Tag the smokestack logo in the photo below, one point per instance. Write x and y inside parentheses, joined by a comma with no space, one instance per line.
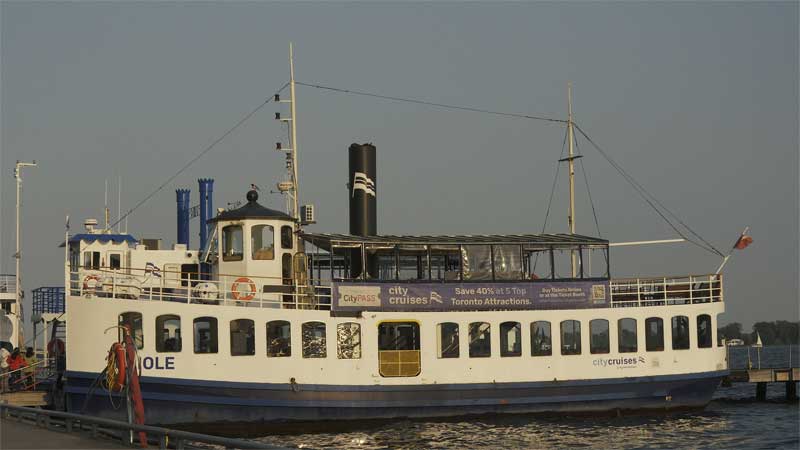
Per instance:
(363,182)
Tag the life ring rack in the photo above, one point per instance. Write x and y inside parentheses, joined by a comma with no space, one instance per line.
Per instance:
(239,295)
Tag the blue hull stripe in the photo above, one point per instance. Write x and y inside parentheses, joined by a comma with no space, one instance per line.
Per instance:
(338,396)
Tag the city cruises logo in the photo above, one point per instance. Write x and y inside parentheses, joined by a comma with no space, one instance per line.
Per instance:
(620,362)
(359,296)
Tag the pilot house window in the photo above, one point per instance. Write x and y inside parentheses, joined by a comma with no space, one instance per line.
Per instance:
(262,242)
(232,243)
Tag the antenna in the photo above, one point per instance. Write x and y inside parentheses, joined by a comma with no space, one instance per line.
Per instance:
(290,187)
(571,160)
(105,205)
(18,254)
(119,201)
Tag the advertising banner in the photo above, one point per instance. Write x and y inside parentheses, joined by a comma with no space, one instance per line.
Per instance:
(469,296)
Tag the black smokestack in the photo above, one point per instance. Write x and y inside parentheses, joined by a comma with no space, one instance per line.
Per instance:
(362,188)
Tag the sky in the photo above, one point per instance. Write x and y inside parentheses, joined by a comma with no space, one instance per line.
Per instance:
(697,101)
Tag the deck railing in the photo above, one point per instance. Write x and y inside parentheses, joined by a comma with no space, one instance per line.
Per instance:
(684,290)
(271,292)
(8,284)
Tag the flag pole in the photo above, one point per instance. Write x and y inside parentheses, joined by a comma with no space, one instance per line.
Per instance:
(730,252)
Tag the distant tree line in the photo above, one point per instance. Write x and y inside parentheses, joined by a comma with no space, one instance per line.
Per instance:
(779,332)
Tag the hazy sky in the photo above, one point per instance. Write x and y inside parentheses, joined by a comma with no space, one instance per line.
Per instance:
(698,101)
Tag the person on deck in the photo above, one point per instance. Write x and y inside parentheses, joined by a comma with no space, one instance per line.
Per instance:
(30,361)
(15,362)
(4,354)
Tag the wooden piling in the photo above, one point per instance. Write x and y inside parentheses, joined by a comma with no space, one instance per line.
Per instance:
(761,391)
(791,391)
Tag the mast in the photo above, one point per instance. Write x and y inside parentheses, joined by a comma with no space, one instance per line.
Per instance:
(571,159)
(293,124)
(18,254)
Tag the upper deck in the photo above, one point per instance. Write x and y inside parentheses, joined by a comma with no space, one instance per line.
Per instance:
(350,274)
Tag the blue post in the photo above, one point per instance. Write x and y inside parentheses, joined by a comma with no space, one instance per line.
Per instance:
(206,208)
(183,215)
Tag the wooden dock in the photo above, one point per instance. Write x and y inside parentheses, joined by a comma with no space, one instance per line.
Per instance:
(24,398)
(790,376)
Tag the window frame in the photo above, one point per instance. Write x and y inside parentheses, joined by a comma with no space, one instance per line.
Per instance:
(605,348)
(258,230)
(549,342)
(138,339)
(623,347)
(504,334)
(648,336)
(279,325)
(678,338)
(160,340)
(453,348)
(250,342)
(710,331)
(306,351)
(213,331)
(356,348)
(576,350)
(475,351)
(228,242)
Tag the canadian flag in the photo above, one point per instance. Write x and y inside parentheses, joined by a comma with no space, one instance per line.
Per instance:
(743,241)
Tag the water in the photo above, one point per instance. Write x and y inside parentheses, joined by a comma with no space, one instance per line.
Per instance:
(733,420)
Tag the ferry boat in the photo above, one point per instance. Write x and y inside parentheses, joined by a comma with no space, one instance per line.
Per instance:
(267,321)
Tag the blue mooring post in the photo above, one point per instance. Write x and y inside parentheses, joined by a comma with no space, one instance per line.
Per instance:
(206,208)
(182,198)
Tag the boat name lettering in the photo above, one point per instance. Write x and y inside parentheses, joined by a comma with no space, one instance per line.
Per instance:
(156,363)
(622,362)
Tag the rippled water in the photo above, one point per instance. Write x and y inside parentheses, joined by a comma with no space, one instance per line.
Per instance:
(733,420)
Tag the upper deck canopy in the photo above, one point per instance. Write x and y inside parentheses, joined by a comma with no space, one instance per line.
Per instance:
(326,240)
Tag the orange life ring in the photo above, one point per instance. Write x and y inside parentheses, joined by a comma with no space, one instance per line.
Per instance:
(116,367)
(242,296)
(90,277)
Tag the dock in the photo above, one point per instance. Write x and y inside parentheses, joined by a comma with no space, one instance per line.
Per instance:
(761,377)
(24,398)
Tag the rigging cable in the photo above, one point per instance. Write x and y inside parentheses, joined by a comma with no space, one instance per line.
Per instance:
(427,103)
(588,189)
(198,156)
(651,200)
(550,202)
(555,180)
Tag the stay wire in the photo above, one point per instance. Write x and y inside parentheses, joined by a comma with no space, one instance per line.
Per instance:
(646,196)
(429,103)
(652,201)
(588,189)
(198,156)
(550,202)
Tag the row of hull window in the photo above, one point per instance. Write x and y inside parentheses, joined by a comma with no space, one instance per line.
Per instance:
(242,336)
(405,336)
(541,337)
